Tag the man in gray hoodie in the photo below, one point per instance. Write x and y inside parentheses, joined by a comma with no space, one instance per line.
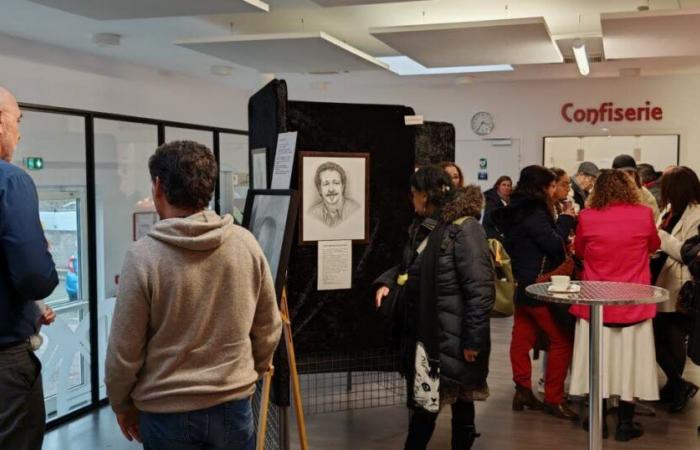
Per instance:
(196,321)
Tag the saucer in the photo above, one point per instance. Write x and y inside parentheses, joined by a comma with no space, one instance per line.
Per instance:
(570,289)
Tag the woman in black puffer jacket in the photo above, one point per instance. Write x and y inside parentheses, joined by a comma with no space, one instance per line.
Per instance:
(448,296)
(536,245)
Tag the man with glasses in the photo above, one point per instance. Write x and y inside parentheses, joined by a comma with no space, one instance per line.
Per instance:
(27,274)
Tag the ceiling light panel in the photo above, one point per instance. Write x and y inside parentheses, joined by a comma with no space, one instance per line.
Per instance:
(512,41)
(332,3)
(651,34)
(403,65)
(315,52)
(143,9)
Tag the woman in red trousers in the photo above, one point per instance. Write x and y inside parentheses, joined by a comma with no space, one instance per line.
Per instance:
(536,244)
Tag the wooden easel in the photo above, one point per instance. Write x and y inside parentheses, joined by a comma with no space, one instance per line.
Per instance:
(296,385)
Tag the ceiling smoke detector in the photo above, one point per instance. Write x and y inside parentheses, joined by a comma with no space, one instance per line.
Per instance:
(107,39)
(222,71)
(630,72)
(465,79)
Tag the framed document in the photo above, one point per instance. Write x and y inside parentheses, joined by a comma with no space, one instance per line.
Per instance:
(271,215)
(143,222)
(259,168)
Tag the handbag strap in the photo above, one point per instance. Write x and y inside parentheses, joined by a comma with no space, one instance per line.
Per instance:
(544,258)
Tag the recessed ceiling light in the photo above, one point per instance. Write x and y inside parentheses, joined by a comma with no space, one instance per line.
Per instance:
(222,71)
(107,39)
(319,85)
(403,65)
(464,80)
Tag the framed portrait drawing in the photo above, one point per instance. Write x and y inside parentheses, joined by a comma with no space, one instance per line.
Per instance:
(334,197)
(258,167)
(271,215)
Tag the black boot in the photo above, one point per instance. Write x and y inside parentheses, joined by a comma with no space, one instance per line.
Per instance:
(463,436)
(681,395)
(627,429)
(524,398)
(420,430)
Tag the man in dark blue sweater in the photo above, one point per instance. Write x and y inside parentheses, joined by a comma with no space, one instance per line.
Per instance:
(27,274)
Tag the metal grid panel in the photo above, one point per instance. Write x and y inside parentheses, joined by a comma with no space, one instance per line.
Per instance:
(273,438)
(332,382)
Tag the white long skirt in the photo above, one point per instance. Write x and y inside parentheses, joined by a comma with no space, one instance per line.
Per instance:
(629,362)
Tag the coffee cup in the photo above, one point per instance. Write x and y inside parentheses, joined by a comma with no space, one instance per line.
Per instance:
(561,282)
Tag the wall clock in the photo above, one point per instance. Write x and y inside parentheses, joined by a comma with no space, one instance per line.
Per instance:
(482,123)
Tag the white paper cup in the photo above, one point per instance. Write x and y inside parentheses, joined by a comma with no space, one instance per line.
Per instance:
(561,281)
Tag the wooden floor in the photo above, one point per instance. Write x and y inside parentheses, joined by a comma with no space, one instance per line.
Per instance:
(385,428)
(500,427)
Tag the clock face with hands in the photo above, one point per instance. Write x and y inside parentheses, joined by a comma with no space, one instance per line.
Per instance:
(482,123)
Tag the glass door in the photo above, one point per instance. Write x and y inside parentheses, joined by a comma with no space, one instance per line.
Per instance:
(58,142)
(65,353)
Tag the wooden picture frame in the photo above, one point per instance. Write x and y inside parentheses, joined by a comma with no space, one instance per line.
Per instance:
(315,223)
(270,214)
(142,222)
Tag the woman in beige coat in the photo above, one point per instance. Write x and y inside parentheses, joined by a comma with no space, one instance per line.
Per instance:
(680,194)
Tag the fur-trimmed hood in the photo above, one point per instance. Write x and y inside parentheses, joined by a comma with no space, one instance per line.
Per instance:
(467,201)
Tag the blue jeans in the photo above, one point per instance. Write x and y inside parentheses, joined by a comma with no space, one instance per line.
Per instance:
(228,426)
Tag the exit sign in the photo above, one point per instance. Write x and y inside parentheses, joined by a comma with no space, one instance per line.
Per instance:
(34,163)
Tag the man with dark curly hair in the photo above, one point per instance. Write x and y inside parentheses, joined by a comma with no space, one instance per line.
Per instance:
(196,321)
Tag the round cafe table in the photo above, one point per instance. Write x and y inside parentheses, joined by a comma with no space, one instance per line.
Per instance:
(597,294)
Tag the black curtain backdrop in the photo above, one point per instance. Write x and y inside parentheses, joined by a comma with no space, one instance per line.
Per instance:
(330,325)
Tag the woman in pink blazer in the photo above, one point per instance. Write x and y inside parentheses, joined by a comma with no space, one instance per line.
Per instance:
(615,237)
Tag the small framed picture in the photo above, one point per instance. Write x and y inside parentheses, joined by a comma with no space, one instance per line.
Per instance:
(271,215)
(143,221)
(258,159)
(334,197)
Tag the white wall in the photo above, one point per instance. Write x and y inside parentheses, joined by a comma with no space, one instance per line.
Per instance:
(526,110)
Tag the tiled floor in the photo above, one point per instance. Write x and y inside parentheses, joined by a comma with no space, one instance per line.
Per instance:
(384,428)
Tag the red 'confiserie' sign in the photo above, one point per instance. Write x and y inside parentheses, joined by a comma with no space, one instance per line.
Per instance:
(608,112)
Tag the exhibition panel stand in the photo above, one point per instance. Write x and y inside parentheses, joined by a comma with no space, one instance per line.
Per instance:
(371,153)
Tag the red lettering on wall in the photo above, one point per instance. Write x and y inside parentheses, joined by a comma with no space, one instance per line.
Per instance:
(608,112)
(564,112)
(619,114)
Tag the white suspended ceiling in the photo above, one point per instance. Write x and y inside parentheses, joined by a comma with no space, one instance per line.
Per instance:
(510,41)
(142,9)
(651,34)
(315,52)
(331,3)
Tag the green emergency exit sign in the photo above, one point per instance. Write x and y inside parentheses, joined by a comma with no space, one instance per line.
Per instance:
(34,163)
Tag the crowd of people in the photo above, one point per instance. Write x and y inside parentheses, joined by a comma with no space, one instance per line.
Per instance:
(168,388)
(626,224)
